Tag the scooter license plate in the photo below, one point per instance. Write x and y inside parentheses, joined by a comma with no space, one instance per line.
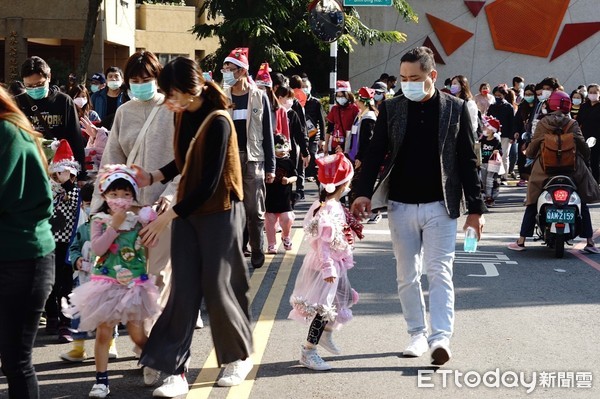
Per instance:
(560,215)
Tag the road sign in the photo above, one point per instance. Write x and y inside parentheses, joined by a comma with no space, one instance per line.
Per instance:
(356,3)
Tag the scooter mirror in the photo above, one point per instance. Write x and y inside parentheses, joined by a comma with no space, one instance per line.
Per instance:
(591,142)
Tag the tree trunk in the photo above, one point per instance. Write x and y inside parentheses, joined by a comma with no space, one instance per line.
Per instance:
(88,39)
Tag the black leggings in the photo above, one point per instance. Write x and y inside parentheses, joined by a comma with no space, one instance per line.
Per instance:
(316,329)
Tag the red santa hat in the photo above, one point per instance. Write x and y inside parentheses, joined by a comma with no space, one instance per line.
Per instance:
(491,123)
(342,85)
(334,170)
(263,77)
(63,159)
(239,57)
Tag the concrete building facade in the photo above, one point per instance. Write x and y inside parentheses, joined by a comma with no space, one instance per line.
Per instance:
(55,33)
(478,57)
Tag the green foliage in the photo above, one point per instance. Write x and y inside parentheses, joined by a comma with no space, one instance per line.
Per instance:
(272,30)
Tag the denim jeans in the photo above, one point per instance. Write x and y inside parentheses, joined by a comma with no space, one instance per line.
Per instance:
(24,288)
(424,237)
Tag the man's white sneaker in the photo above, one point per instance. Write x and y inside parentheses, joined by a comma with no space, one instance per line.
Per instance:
(172,386)
(99,391)
(235,372)
(418,345)
(151,376)
(326,341)
(309,358)
(440,352)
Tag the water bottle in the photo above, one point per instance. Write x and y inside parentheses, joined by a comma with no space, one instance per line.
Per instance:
(470,240)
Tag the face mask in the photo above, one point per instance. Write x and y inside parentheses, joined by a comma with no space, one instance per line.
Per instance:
(38,93)
(485,92)
(521,86)
(545,94)
(529,99)
(341,100)
(498,100)
(94,88)
(593,97)
(229,79)
(306,90)
(114,84)
(119,204)
(378,97)
(346,191)
(87,210)
(80,101)
(544,111)
(175,106)
(287,104)
(414,91)
(143,91)
(576,101)
(540,98)
(455,89)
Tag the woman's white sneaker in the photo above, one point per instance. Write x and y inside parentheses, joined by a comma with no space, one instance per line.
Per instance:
(173,385)
(418,345)
(235,372)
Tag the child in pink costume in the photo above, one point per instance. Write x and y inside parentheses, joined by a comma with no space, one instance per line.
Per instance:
(322,295)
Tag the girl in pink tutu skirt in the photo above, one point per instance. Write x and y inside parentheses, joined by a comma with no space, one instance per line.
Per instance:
(322,296)
(119,290)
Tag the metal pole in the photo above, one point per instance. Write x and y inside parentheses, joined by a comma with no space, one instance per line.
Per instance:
(333,49)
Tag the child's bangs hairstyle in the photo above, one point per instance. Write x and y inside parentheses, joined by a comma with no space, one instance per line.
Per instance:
(117,184)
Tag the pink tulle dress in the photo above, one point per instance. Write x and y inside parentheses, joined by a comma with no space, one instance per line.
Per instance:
(120,289)
(330,255)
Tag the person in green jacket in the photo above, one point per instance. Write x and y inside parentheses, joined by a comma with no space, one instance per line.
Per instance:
(26,246)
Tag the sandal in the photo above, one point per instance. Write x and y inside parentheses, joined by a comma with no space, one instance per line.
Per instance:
(515,246)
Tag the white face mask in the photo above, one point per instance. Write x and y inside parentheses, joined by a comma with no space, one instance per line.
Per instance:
(287,103)
(576,101)
(341,100)
(378,97)
(414,91)
(346,191)
(80,101)
(114,84)
(593,97)
(546,94)
(229,79)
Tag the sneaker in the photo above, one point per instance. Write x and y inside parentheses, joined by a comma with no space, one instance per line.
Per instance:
(151,376)
(287,243)
(112,350)
(42,321)
(257,259)
(64,335)
(309,358)
(74,355)
(590,249)
(374,219)
(418,345)
(172,386)
(326,341)
(235,373)
(199,322)
(440,352)
(515,246)
(272,250)
(99,391)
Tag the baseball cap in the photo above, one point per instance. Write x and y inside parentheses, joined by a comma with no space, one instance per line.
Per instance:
(379,86)
(99,77)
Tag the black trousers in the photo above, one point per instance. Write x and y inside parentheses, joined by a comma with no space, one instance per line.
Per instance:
(207,262)
(24,287)
(63,285)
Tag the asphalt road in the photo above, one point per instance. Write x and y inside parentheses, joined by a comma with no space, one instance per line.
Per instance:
(526,326)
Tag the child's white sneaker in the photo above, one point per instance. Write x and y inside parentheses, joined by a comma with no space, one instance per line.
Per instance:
(326,341)
(309,358)
(235,372)
(99,391)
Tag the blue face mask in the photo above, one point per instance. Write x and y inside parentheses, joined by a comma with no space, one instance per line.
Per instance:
(414,91)
(229,79)
(94,88)
(143,91)
(529,99)
(378,97)
(38,93)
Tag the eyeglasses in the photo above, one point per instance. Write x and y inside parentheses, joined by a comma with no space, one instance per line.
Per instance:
(39,84)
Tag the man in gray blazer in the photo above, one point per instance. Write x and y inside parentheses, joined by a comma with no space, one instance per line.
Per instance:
(424,141)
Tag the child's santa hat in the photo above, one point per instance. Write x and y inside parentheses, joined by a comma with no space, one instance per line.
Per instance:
(366,94)
(263,77)
(109,173)
(334,170)
(239,57)
(342,85)
(63,159)
(492,123)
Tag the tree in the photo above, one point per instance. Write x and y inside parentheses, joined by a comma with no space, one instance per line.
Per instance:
(272,28)
(88,39)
